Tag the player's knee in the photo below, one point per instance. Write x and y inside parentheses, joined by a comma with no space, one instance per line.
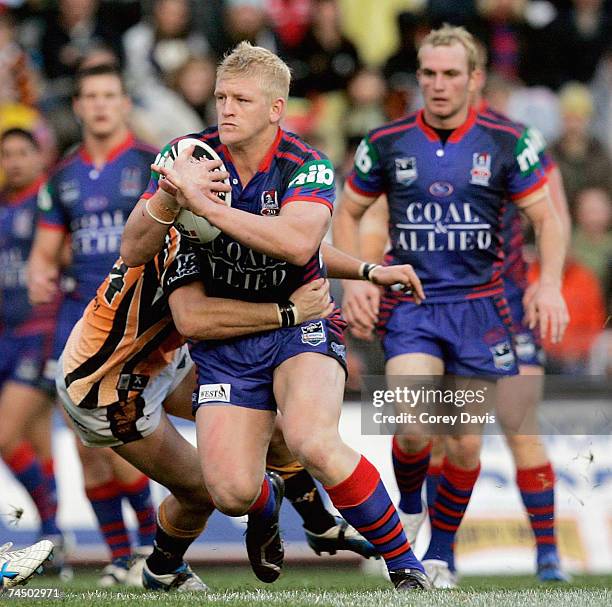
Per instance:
(234,498)
(464,451)
(312,450)
(412,443)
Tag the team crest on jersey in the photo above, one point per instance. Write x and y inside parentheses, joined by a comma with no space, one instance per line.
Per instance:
(269,203)
(313,333)
(481,168)
(503,355)
(69,191)
(131,182)
(406,170)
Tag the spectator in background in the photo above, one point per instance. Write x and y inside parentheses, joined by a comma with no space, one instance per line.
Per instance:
(583,294)
(592,239)
(69,34)
(194,81)
(601,87)
(326,60)
(155,49)
(582,159)
(19,79)
(502,27)
(400,68)
(577,40)
(366,95)
(248,20)
(161,44)
(290,20)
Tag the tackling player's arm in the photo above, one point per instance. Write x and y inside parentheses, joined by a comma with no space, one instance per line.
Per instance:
(200,317)
(374,231)
(547,307)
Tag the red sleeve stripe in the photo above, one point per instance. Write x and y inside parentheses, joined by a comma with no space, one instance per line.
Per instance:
(290,156)
(536,186)
(302,198)
(353,186)
(391,130)
(51,226)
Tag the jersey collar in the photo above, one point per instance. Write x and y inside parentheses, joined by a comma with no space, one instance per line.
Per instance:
(17,196)
(264,165)
(457,134)
(113,154)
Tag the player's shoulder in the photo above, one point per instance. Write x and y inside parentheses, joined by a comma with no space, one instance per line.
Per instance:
(392,129)
(70,160)
(142,148)
(295,151)
(499,125)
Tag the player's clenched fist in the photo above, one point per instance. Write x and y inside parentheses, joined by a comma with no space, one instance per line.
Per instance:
(312,300)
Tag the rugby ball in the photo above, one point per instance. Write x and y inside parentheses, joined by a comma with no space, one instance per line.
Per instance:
(194,228)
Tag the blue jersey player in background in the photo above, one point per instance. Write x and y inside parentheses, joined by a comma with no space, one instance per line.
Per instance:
(86,201)
(26,335)
(448,174)
(282,199)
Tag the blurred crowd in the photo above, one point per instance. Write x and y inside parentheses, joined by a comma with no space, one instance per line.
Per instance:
(353,63)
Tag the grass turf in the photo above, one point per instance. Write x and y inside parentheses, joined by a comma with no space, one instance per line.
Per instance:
(333,587)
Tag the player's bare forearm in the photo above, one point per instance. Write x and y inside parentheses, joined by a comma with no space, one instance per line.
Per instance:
(559,202)
(339,264)
(549,240)
(199,317)
(44,263)
(143,236)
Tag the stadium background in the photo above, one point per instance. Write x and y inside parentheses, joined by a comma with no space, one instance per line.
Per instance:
(550,64)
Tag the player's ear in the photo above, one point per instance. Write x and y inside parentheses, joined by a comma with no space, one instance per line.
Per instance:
(276,109)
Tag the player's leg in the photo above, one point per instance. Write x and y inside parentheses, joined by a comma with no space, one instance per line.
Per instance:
(20,404)
(517,410)
(105,497)
(169,459)
(324,531)
(411,447)
(311,412)
(459,472)
(434,470)
(235,412)
(135,487)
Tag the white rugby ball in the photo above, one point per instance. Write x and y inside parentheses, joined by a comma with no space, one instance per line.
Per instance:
(194,228)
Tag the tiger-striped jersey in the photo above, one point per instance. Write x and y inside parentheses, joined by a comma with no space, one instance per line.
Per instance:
(126,335)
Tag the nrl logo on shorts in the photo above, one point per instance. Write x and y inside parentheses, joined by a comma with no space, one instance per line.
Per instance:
(503,356)
(406,170)
(313,333)
(481,168)
(269,203)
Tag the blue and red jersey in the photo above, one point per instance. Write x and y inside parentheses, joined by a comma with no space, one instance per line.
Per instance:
(515,267)
(447,201)
(18,214)
(92,205)
(291,171)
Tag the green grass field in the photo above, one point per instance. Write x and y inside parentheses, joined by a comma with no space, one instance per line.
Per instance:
(332,587)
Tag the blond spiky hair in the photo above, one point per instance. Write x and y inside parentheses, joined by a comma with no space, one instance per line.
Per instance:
(448,35)
(271,71)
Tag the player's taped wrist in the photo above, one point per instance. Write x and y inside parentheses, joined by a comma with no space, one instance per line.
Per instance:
(366,269)
(288,315)
(160,212)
